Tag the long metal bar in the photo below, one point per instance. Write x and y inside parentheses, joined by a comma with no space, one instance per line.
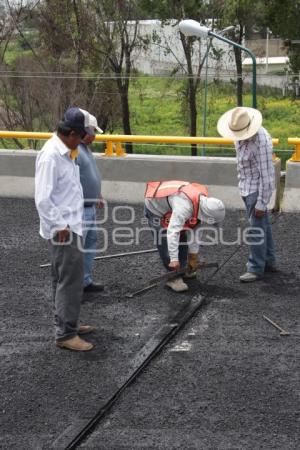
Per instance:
(118,255)
(154,282)
(115,255)
(176,273)
(141,291)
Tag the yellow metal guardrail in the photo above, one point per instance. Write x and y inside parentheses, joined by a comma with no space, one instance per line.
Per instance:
(296,155)
(114,141)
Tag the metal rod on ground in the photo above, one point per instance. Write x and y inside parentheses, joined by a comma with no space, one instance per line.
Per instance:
(140,291)
(167,276)
(116,255)
(176,273)
(282,331)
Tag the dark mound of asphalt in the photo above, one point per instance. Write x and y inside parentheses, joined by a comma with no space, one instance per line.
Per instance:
(228,380)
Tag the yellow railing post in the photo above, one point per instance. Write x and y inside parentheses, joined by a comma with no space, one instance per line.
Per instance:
(296,155)
(109,151)
(120,151)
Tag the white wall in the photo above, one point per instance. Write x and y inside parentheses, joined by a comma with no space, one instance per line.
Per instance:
(164,56)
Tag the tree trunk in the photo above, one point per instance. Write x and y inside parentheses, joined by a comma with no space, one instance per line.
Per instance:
(123,91)
(193,114)
(192,91)
(239,71)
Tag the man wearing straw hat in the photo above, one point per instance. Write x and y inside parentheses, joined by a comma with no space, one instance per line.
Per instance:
(256,183)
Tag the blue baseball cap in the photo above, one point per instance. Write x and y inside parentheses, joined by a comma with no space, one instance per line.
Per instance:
(81,120)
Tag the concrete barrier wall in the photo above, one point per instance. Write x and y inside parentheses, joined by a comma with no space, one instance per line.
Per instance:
(291,194)
(124,178)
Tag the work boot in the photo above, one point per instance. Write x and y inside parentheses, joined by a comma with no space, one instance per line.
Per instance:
(249,277)
(177,285)
(85,329)
(271,268)
(94,287)
(76,344)
(190,274)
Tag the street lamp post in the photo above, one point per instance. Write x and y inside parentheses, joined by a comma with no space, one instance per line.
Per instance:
(192,28)
(225,30)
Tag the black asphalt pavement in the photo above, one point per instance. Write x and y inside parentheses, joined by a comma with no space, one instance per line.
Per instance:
(227,380)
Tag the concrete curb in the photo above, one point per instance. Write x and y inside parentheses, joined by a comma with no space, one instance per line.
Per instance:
(291,195)
(124,178)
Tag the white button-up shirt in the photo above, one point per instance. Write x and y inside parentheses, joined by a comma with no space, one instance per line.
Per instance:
(58,192)
(255,167)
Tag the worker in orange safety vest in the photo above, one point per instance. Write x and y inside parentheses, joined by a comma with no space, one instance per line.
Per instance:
(175,211)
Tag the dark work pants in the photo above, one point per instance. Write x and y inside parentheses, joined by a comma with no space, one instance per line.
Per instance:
(67,285)
(160,237)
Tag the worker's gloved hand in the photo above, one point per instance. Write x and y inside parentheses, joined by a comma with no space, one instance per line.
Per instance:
(174,265)
(192,264)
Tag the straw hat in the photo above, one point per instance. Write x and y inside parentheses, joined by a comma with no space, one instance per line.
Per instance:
(239,123)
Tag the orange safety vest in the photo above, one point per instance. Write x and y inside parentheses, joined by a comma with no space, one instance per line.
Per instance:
(162,189)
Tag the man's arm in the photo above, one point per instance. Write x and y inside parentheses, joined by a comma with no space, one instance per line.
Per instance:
(263,157)
(45,181)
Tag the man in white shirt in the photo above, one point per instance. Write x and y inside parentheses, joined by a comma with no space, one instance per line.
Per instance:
(256,183)
(59,201)
(176,210)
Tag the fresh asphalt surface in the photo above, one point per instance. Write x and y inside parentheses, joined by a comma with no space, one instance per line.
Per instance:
(228,380)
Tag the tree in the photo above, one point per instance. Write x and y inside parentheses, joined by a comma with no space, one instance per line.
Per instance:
(54,71)
(11,18)
(283,19)
(244,14)
(7,28)
(114,37)
(59,36)
(179,10)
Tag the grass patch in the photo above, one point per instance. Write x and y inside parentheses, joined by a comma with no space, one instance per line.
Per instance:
(156,109)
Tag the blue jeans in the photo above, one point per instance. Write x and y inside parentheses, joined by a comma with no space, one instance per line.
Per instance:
(160,237)
(262,250)
(89,242)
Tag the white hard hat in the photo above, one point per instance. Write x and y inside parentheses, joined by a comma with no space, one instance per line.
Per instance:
(212,210)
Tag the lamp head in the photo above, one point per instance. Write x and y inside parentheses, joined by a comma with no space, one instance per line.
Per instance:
(226,30)
(191,27)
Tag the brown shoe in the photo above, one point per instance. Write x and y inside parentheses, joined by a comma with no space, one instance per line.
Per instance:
(85,329)
(76,344)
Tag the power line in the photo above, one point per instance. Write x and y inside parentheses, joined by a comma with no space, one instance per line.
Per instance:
(54,76)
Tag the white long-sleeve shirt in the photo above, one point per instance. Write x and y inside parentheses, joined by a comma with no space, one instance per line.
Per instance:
(255,167)
(182,210)
(58,192)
